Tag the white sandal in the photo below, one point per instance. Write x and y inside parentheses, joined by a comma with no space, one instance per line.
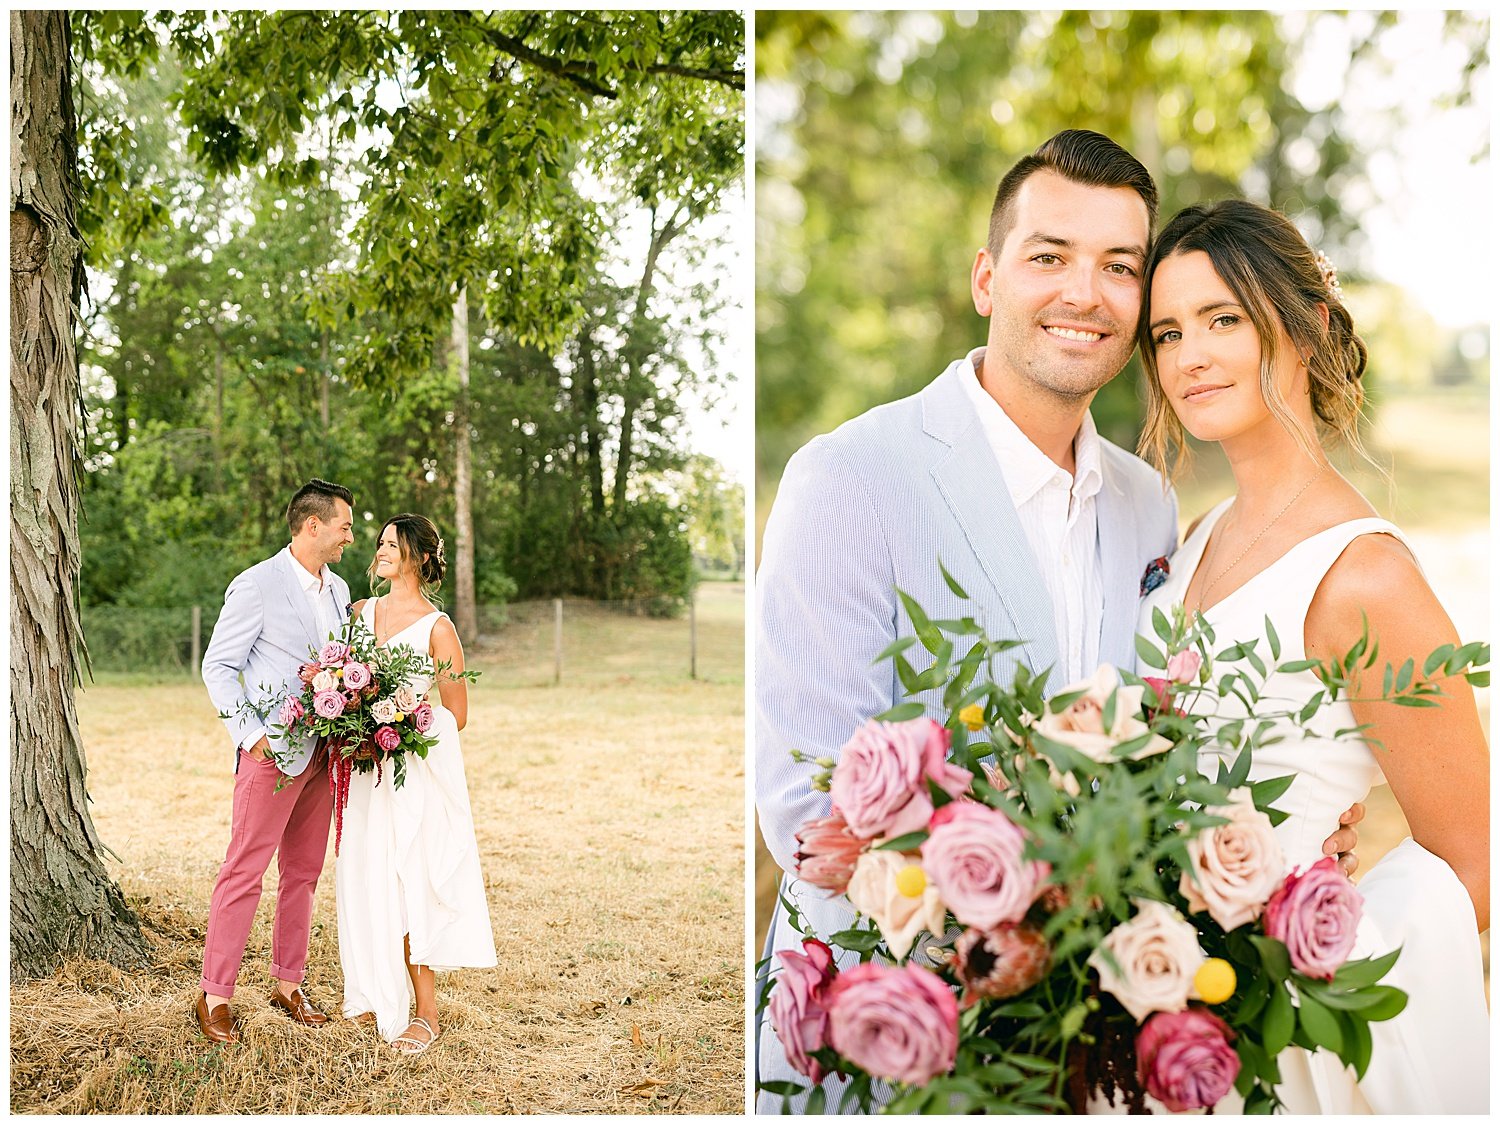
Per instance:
(417,1045)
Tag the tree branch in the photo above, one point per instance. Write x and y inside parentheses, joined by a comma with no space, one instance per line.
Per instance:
(583,74)
(576,73)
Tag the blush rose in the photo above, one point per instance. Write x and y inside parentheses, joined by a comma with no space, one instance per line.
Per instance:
(880,782)
(1237,865)
(973,856)
(874,890)
(1157,954)
(900,1024)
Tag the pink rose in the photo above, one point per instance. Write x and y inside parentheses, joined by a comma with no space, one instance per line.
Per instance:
(880,782)
(1184,1059)
(356,675)
(1235,866)
(306,672)
(421,718)
(1182,667)
(1000,963)
(973,856)
(796,1005)
(329,704)
(291,711)
(333,653)
(827,853)
(897,1024)
(387,738)
(1315,914)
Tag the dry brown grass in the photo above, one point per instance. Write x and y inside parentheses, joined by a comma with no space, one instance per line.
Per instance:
(610,823)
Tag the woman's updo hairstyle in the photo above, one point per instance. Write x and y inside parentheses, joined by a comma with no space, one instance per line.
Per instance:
(421,546)
(1280,282)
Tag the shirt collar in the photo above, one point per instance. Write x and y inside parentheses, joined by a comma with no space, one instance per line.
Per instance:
(310,582)
(1026,468)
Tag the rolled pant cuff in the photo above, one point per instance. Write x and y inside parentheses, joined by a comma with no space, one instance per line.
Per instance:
(214,988)
(296,975)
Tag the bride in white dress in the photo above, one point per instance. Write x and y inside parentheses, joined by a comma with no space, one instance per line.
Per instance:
(410,891)
(1246,343)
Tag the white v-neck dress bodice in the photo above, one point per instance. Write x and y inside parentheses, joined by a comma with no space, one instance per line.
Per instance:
(1434,1057)
(409,865)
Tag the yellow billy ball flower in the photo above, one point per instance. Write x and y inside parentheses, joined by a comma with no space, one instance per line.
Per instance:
(398,718)
(1214,980)
(972,716)
(911,881)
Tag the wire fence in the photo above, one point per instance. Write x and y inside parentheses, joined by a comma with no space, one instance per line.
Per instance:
(567,641)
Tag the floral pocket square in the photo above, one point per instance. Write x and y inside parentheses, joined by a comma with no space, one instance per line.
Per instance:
(1156,573)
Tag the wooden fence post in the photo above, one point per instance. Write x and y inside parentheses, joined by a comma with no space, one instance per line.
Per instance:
(197,647)
(557,646)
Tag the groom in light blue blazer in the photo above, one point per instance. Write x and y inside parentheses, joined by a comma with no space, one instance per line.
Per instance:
(873,506)
(275,614)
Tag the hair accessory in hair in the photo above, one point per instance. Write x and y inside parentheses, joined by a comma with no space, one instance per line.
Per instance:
(1330,276)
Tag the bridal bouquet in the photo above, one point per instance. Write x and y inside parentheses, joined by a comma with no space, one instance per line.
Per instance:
(358,699)
(1101,915)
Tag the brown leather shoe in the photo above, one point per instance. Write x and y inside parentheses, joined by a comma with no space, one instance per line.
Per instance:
(218,1025)
(299,1008)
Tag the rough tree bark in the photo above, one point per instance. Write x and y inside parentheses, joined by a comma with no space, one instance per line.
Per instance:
(465,617)
(62,901)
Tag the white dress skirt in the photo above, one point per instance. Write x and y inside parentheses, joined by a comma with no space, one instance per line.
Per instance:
(1434,1056)
(409,864)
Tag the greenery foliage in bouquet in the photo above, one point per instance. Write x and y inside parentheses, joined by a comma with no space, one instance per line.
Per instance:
(358,700)
(1101,915)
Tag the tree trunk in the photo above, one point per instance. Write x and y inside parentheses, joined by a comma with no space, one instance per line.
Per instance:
(593,425)
(62,901)
(633,392)
(465,616)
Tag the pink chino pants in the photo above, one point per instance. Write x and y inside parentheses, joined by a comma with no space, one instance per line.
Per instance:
(293,825)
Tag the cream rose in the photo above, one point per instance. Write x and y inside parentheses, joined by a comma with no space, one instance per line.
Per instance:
(1236,866)
(324,681)
(384,711)
(1157,953)
(901,917)
(405,698)
(1081,724)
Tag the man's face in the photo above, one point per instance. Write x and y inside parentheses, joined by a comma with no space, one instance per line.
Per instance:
(330,539)
(1064,293)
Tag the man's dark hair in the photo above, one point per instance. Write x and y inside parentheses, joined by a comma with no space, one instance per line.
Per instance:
(315,498)
(1083,156)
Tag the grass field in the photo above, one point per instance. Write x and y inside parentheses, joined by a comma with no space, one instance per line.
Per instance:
(610,821)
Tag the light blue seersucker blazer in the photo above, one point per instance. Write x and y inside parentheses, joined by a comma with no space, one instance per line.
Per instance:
(860,512)
(263,635)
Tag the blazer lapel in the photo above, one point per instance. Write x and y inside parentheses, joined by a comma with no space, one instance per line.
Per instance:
(292,587)
(1120,563)
(971,483)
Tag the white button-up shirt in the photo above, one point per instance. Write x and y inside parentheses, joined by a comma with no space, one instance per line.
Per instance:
(1057,513)
(319,594)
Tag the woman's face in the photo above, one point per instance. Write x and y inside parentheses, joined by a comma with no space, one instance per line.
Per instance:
(388,554)
(1208,351)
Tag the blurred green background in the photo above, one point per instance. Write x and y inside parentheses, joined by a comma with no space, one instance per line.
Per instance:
(880,137)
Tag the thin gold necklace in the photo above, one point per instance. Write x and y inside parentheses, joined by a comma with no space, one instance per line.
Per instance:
(1203,597)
